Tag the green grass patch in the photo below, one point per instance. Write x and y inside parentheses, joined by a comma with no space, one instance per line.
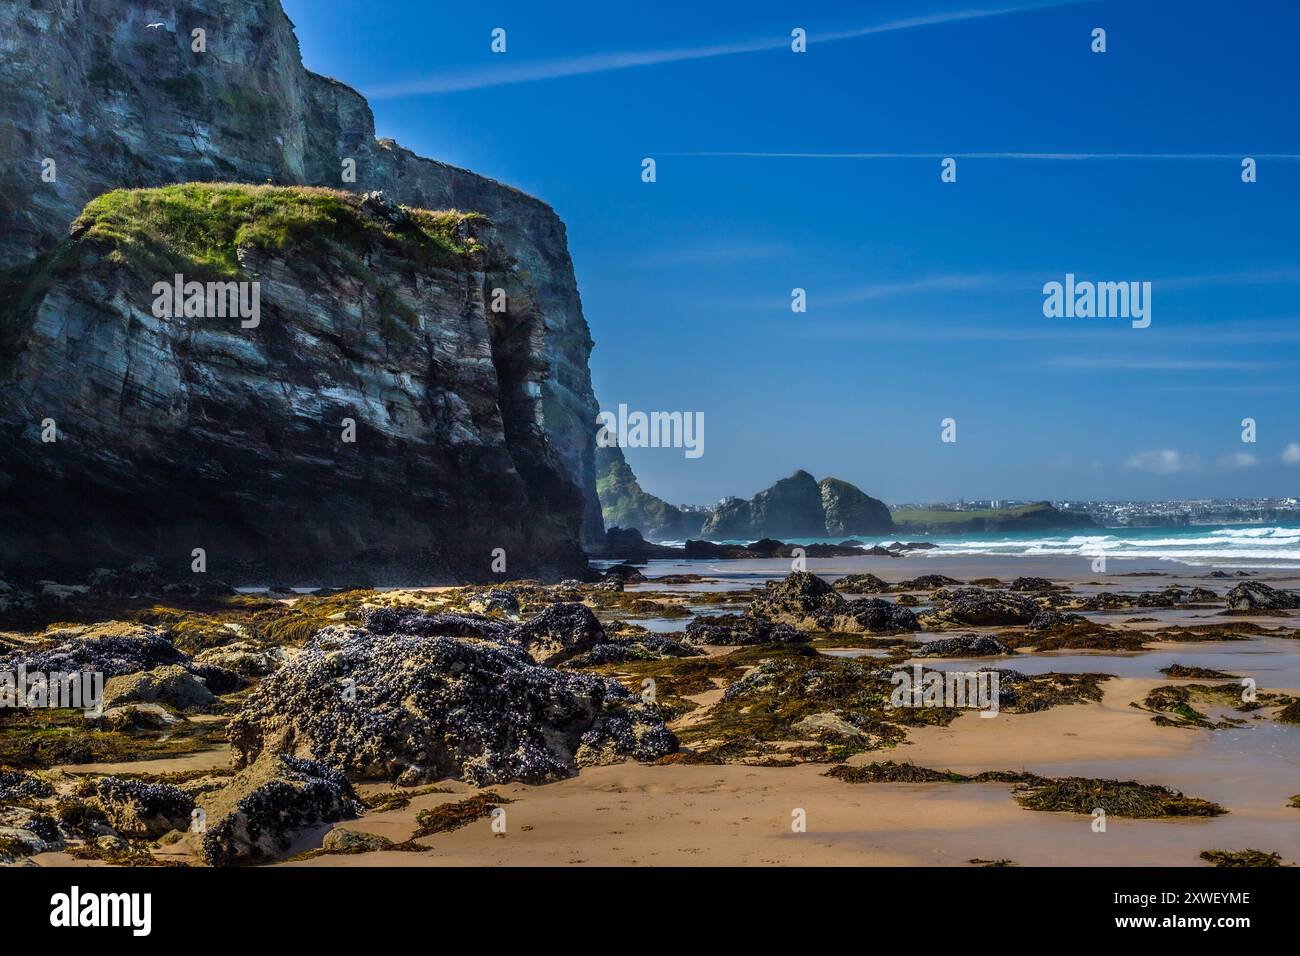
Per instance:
(201,226)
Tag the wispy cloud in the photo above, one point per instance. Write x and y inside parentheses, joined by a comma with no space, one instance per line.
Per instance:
(1165,461)
(1149,364)
(870,291)
(709,254)
(1240,459)
(1071,157)
(460,80)
(1291,454)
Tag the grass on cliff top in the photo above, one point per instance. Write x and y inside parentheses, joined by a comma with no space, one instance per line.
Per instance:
(943,516)
(204,224)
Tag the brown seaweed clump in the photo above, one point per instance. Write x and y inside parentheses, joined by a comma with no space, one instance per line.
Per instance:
(1239,858)
(1118,798)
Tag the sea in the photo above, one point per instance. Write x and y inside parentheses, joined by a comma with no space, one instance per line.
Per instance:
(1252,546)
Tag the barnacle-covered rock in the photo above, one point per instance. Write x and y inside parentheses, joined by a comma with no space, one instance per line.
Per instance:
(739,629)
(414,708)
(172,685)
(802,599)
(18,785)
(560,632)
(1252,595)
(967,645)
(881,617)
(255,816)
(145,810)
(111,649)
(636,647)
(979,607)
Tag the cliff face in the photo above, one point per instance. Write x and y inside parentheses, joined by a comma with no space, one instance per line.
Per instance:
(626,505)
(230,433)
(115,104)
(849,511)
(799,507)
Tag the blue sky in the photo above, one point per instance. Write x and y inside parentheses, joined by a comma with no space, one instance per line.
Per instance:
(924,298)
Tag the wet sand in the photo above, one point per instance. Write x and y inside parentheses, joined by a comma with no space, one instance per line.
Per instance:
(633,814)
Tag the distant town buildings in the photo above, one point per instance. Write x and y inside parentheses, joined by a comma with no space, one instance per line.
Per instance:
(1138,514)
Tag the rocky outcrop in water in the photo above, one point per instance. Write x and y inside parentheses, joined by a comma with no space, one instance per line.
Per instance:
(114,104)
(799,507)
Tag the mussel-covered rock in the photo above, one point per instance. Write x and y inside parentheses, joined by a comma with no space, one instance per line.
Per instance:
(414,708)
(1252,596)
(255,816)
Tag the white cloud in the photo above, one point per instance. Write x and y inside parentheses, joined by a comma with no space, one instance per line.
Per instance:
(1240,459)
(1291,454)
(1166,461)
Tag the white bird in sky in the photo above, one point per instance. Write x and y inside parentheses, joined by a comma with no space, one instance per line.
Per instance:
(154,26)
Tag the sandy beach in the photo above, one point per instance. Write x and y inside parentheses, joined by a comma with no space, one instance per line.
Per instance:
(743,812)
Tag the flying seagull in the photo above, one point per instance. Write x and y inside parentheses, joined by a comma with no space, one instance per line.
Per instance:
(154,26)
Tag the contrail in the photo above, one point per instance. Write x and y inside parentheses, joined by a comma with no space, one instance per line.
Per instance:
(734,154)
(462,80)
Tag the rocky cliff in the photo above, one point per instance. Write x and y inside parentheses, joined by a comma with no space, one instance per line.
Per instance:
(95,99)
(368,416)
(799,507)
(625,504)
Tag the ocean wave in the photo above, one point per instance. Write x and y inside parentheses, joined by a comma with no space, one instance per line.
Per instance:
(1195,546)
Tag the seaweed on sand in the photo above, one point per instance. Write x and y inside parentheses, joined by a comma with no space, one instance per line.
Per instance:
(811,707)
(891,772)
(46,738)
(398,799)
(1240,858)
(451,816)
(1126,798)
(785,696)
(1202,673)
(1172,705)
(1064,794)
(1237,631)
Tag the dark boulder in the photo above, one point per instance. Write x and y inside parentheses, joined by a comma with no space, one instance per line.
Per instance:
(801,599)
(111,649)
(145,810)
(861,584)
(967,645)
(881,617)
(425,708)
(926,582)
(1254,596)
(560,632)
(1032,584)
(255,816)
(739,630)
(976,607)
